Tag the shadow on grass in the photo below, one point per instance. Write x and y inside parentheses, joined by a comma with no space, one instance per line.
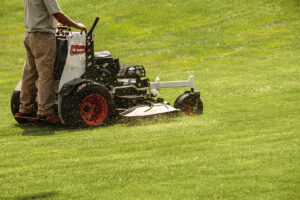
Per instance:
(41,129)
(44,195)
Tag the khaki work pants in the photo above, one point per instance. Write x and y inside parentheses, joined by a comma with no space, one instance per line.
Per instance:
(40,58)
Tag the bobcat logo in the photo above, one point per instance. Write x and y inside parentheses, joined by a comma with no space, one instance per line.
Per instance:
(77,49)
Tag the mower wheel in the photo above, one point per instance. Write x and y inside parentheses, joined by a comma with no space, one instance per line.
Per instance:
(88,105)
(15,105)
(189,103)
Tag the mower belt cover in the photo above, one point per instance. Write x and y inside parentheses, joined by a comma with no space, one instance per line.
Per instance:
(155,109)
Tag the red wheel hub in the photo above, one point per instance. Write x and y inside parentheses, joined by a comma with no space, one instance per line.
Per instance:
(94,109)
(191,107)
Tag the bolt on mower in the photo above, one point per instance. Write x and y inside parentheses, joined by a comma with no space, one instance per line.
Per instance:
(92,87)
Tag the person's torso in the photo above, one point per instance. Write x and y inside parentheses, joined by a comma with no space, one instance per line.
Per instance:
(37,17)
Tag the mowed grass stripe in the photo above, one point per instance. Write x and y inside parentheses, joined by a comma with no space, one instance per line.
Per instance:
(245,58)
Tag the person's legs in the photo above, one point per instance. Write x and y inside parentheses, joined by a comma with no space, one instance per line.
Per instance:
(44,51)
(28,89)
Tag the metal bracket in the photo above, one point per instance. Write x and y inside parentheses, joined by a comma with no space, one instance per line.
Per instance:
(168,84)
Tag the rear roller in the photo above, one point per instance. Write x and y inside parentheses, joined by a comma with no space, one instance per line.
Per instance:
(15,105)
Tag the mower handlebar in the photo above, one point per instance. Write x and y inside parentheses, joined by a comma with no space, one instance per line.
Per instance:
(94,25)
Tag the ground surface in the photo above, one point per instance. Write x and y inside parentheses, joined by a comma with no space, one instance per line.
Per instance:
(245,56)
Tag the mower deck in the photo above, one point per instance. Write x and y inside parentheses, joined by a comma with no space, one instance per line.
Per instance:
(155,109)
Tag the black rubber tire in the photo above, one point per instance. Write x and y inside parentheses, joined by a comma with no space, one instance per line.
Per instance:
(191,104)
(15,106)
(72,105)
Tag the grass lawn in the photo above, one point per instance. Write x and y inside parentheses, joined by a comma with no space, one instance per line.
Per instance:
(245,56)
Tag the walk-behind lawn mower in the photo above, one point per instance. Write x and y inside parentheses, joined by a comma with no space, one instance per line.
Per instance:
(93,88)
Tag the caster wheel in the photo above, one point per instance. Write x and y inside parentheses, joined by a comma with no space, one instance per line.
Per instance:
(191,104)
